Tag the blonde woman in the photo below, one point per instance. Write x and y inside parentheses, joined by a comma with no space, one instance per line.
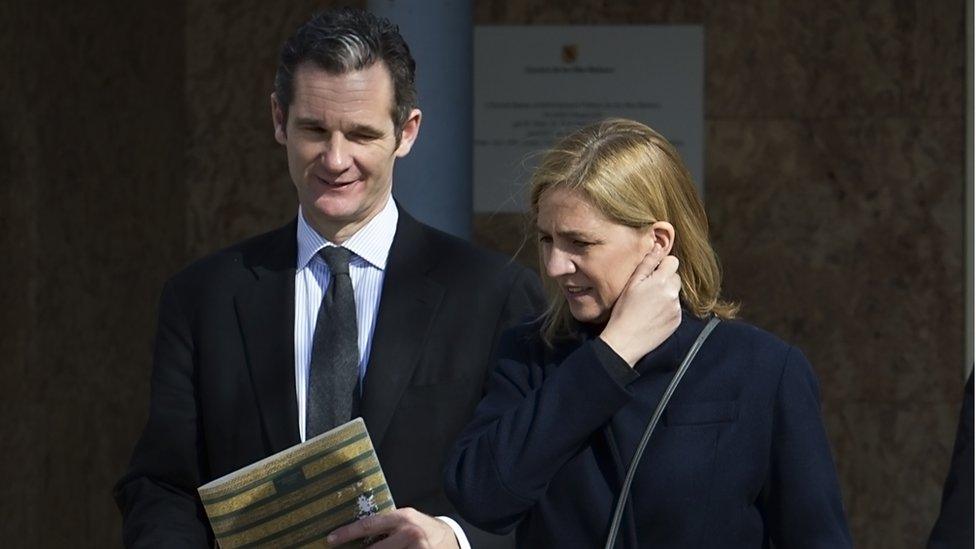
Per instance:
(740,457)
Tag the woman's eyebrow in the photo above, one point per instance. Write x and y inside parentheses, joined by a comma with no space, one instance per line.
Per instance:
(571,233)
(575,234)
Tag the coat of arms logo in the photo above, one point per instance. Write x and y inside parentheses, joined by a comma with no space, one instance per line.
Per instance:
(367,505)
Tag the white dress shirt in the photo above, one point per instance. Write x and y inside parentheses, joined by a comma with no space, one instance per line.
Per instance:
(370,247)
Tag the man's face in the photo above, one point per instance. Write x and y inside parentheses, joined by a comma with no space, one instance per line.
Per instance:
(341,145)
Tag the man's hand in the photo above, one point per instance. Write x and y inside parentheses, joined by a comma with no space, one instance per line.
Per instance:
(648,311)
(404,529)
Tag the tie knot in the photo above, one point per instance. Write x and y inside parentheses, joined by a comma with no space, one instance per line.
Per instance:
(337,259)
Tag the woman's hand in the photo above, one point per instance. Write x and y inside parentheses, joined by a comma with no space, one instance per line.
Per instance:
(648,311)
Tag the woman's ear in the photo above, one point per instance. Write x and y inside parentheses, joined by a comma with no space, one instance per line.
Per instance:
(662,233)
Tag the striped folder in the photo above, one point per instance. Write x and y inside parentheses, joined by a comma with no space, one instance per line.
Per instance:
(296,497)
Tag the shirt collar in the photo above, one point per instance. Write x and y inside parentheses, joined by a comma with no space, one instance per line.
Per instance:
(372,242)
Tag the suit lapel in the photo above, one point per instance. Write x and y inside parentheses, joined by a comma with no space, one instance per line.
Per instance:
(408,305)
(266,312)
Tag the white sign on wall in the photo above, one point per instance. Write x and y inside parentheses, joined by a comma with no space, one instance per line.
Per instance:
(533,84)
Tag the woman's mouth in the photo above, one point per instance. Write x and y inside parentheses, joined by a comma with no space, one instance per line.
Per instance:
(576,292)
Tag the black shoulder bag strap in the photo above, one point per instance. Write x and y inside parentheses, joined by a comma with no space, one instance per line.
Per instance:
(618,512)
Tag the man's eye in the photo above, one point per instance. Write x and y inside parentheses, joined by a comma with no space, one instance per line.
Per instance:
(582,244)
(545,238)
(363,137)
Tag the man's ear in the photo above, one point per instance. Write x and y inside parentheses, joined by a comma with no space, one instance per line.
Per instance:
(409,133)
(278,119)
(661,232)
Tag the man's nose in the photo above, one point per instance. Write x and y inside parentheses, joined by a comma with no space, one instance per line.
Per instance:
(336,156)
(558,263)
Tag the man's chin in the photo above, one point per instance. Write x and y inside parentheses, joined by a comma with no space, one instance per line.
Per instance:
(333,209)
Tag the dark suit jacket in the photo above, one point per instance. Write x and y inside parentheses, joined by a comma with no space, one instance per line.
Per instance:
(954,527)
(223,384)
(740,458)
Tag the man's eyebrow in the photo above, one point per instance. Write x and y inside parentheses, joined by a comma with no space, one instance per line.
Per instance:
(356,128)
(302,121)
(365,128)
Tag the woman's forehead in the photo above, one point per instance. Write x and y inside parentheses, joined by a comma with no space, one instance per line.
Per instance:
(566,210)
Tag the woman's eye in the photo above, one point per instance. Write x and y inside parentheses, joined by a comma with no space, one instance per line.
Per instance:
(582,244)
(545,238)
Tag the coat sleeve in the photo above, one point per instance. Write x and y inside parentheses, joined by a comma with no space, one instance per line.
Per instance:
(802,502)
(531,422)
(157,495)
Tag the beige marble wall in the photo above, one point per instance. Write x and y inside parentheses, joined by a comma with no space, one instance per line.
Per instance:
(92,128)
(834,177)
(17,238)
(237,178)
(137,137)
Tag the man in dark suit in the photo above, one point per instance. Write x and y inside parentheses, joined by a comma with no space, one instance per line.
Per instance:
(242,335)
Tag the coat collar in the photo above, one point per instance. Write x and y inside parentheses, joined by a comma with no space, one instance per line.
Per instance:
(266,313)
(668,355)
(408,305)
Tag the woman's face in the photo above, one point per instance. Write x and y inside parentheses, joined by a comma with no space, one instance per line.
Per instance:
(588,255)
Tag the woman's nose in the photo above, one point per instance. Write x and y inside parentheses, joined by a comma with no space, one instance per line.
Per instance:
(558,264)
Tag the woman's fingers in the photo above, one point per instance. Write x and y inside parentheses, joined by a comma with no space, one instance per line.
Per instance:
(648,264)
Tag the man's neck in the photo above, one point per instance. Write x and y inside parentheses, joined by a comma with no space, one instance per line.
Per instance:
(339,232)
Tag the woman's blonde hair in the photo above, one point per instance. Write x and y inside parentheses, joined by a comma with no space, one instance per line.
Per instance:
(635,177)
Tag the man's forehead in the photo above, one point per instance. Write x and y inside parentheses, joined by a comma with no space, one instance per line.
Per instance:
(375,76)
(363,94)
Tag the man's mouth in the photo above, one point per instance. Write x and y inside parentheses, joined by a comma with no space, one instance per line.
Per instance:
(335,184)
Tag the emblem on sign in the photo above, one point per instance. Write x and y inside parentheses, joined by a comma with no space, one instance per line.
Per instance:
(570,53)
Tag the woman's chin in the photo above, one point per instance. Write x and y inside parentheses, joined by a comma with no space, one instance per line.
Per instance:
(589,315)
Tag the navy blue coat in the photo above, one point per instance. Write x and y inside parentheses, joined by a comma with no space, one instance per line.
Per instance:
(740,459)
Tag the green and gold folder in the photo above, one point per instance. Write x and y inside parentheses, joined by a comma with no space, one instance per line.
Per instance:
(296,497)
